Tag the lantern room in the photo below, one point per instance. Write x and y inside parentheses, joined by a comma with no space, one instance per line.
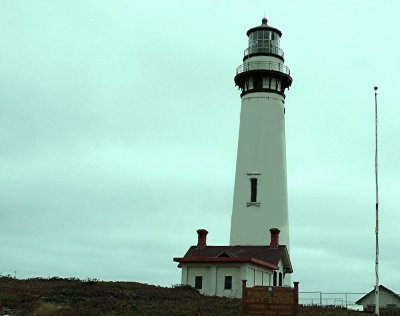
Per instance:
(263,40)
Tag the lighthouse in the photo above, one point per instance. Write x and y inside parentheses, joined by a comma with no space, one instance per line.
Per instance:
(260,197)
(258,250)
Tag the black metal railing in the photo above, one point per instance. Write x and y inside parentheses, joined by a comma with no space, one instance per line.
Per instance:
(266,49)
(262,65)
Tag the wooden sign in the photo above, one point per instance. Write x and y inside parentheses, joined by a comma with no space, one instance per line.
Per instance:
(270,300)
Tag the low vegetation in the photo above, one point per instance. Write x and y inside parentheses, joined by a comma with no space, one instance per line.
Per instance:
(57,296)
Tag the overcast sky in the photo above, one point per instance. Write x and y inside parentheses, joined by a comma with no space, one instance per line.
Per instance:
(119,124)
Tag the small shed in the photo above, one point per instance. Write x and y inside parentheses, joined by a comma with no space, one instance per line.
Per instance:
(387,299)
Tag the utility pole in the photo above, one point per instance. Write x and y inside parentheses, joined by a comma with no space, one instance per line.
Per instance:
(376,208)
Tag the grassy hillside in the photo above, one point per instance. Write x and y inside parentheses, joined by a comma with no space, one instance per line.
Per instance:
(55,296)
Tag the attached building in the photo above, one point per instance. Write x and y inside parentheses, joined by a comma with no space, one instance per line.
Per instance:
(219,270)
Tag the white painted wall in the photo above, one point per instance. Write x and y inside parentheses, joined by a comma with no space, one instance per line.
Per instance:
(251,277)
(261,149)
(287,280)
(264,58)
(267,279)
(214,277)
(204,271)
(258,276)
(233,271)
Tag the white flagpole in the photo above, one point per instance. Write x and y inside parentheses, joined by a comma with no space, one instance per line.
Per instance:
(376,208)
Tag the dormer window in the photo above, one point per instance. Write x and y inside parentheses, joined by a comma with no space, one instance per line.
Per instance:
(224,255)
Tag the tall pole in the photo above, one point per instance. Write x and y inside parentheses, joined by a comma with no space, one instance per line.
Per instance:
(376,208)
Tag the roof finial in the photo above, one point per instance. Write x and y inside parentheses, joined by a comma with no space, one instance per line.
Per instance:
(264,20)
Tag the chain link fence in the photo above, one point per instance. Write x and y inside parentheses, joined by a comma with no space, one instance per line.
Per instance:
(390,302)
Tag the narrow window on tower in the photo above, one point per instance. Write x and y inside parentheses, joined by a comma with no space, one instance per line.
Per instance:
(254,179)
(275,277)
(253,190)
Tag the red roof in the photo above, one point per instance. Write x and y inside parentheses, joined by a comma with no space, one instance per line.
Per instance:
(264,256)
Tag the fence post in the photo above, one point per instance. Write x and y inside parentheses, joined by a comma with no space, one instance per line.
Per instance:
(296,298)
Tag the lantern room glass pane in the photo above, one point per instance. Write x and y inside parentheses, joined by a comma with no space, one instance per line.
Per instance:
(264,38)
(275,39)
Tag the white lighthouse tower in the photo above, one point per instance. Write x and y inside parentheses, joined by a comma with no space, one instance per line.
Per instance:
(258,251)
(260,195)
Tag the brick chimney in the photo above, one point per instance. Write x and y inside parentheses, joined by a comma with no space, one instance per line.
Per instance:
(202,237)
(274,237)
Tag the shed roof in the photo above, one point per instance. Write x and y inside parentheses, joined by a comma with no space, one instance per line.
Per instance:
(381,288)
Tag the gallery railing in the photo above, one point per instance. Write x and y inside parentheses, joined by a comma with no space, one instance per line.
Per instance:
(263,65)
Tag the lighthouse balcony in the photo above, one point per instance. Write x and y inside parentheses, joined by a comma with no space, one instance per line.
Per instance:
(264,50)
(263,76)
(264,66)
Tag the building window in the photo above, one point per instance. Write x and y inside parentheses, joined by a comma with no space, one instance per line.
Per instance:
(253,186)
(198,282)
(257,83)
(275,277)
(228,282)
(280,278)
(370,308)
(278,85)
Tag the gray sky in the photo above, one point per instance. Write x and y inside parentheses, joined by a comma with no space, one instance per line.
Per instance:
(119,123)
